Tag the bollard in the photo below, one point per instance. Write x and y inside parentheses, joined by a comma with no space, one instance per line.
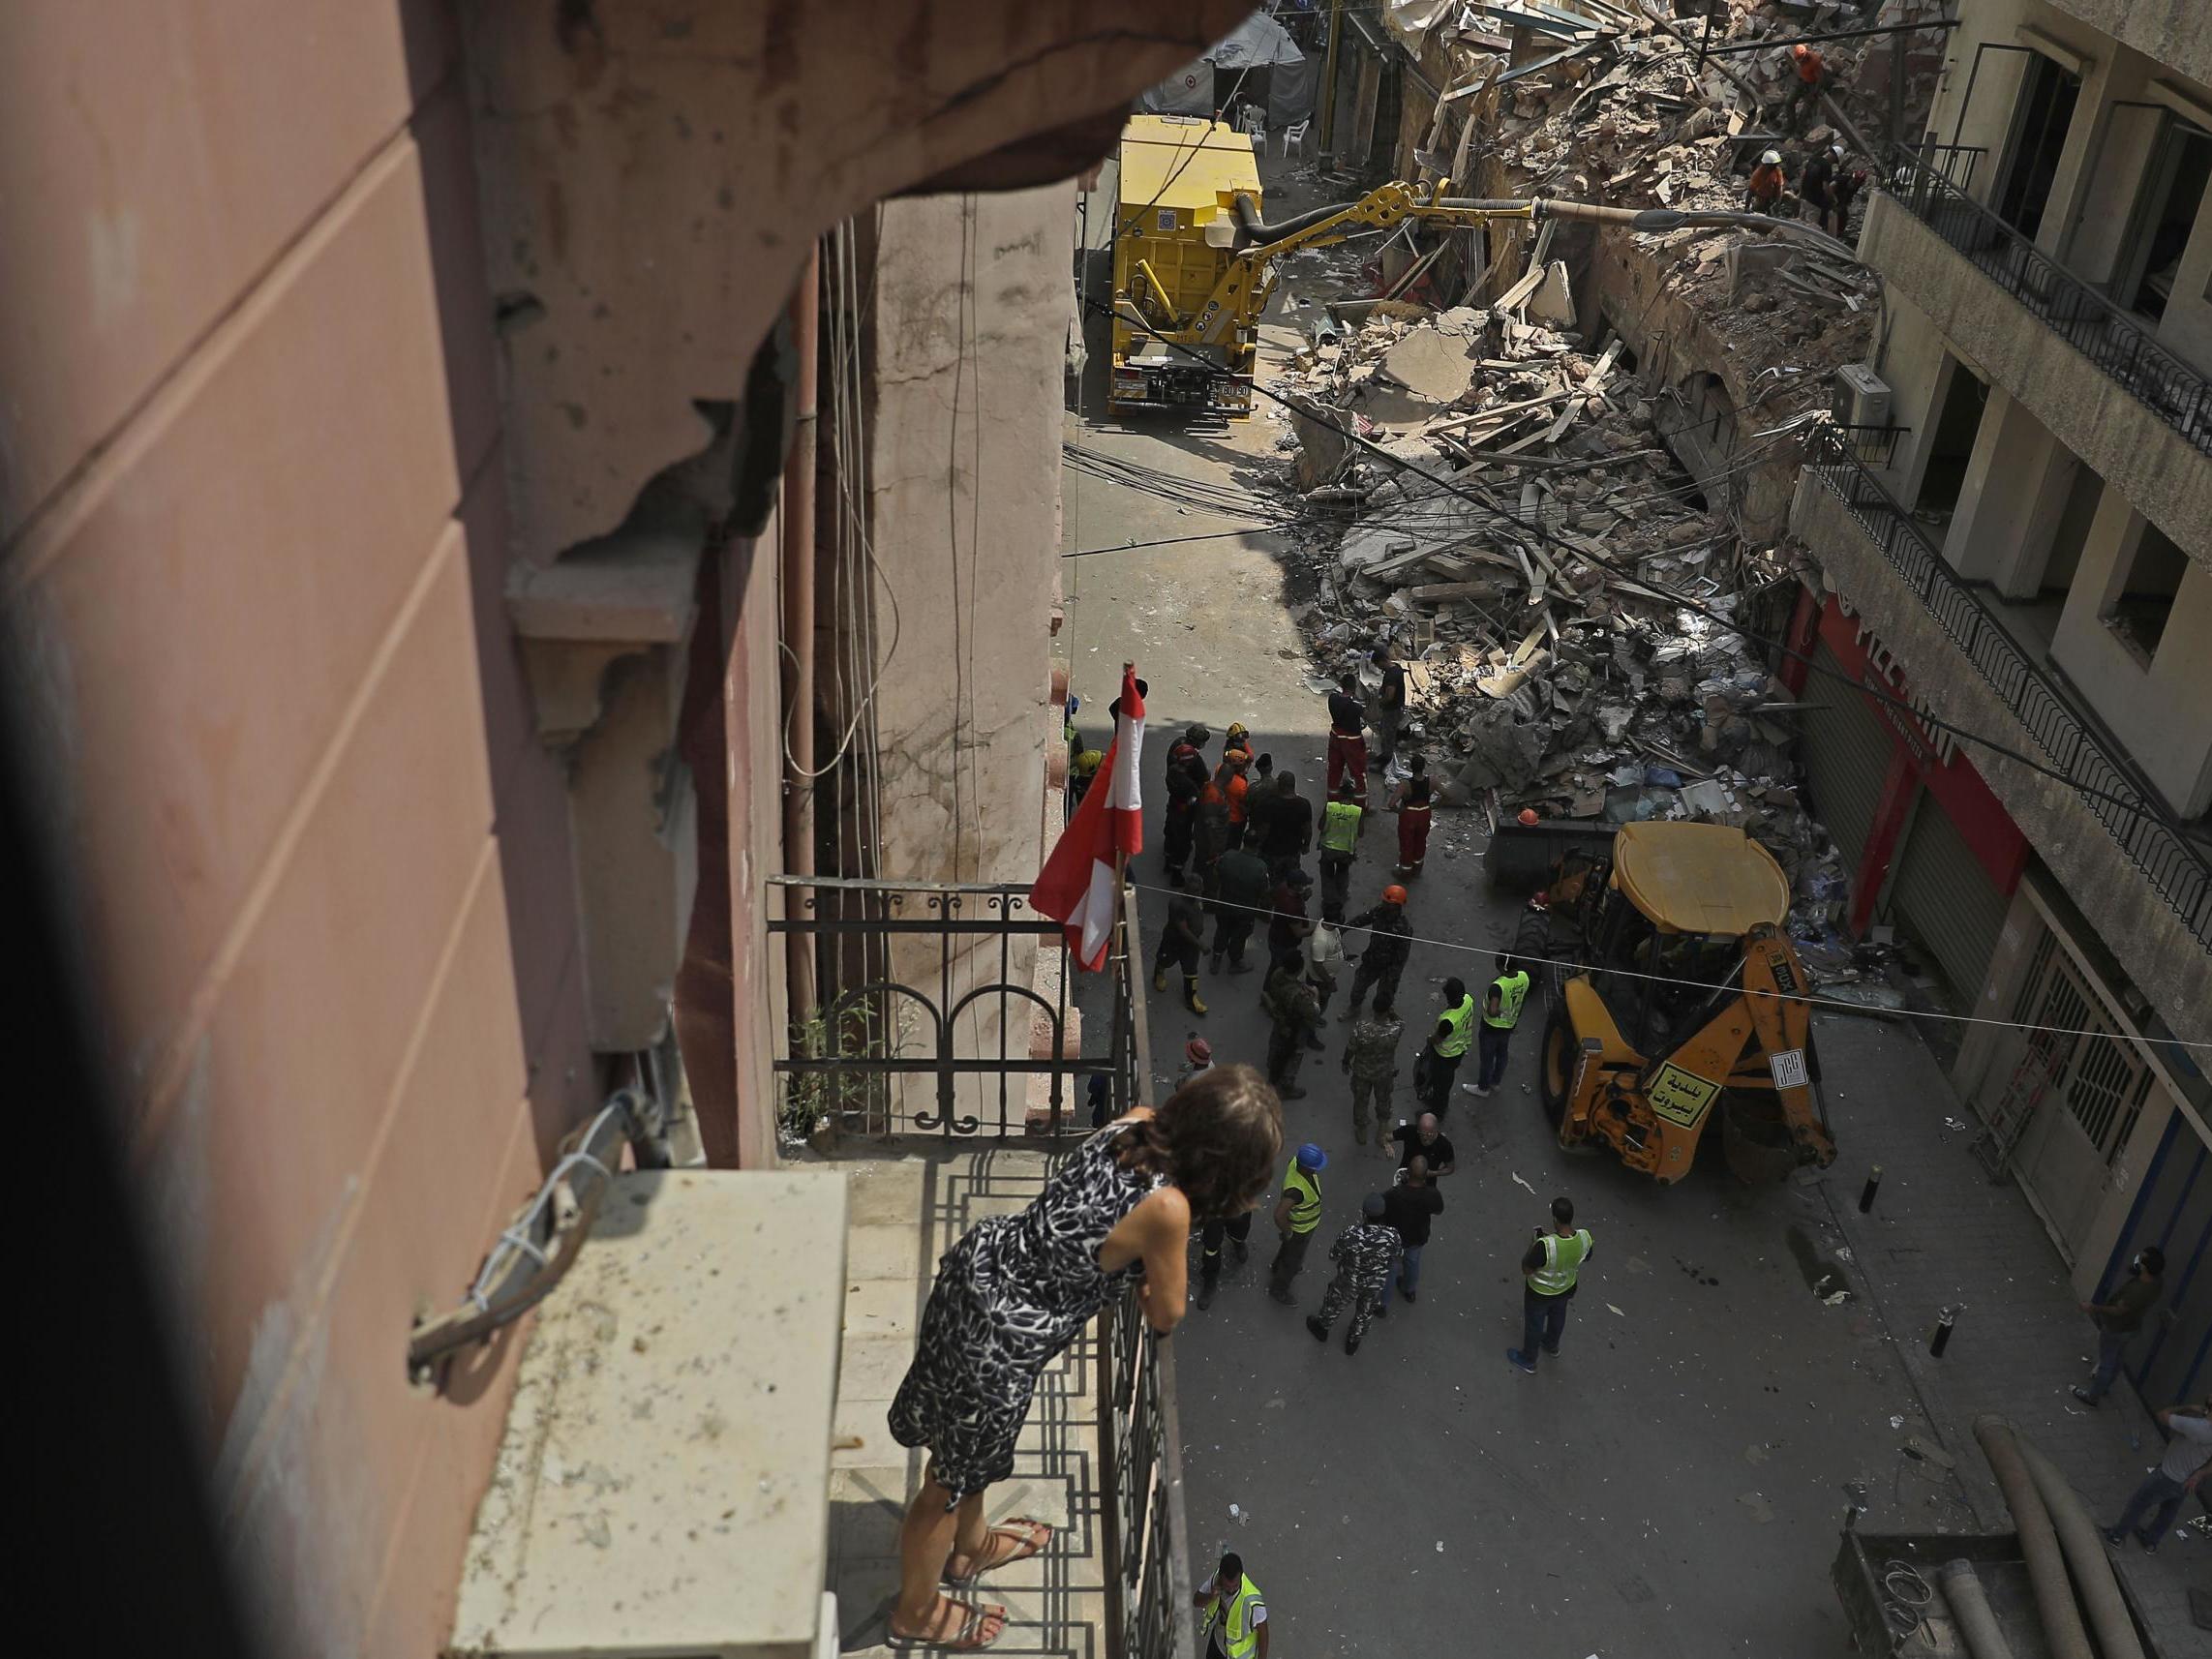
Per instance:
(1868,1192)
(1942,1338)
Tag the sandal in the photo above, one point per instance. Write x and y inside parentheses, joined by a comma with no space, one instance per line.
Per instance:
(1030,1538)
(963,1640)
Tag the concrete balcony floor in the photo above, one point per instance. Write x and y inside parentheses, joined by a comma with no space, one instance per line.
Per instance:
(908,1202)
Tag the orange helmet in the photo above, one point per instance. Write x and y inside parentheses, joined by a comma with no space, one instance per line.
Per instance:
(1529,816)
(1393,894)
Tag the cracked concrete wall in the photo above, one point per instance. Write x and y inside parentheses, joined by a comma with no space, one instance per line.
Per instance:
(1674,345)
(254,532)
(972,294)
(654,171)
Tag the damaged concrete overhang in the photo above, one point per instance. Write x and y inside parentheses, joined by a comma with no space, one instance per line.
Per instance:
(1044,158)
(652,173)
(584,614)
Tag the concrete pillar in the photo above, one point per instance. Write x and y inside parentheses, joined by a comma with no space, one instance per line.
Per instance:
(2012,499)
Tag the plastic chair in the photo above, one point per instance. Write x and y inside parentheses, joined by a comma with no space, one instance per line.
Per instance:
(1295,139)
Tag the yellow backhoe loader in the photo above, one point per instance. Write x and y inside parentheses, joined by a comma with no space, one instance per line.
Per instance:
(1682,999)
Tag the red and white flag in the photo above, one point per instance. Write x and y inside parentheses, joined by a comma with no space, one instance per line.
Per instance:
(1078,885)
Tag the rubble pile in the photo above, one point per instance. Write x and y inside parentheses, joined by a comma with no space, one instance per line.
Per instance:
(1538,562)
(1513,525)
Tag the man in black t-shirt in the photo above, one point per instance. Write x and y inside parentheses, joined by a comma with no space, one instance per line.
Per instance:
(1389,704)
(1347,739)
(1408,1208)
(1288,823)
(1422,1138)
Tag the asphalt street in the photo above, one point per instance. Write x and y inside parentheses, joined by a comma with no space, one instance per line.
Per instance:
(1674,1483)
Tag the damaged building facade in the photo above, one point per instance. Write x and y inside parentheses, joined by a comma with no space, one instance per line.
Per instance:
(2027,557)
(418,626)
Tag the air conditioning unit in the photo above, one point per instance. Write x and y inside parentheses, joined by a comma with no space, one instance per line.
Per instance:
(1862,398)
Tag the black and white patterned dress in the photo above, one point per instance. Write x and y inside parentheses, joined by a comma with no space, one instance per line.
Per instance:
(1009,1296)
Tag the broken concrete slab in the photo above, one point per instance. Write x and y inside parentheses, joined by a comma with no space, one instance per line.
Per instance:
(1431,364)
(1553,301)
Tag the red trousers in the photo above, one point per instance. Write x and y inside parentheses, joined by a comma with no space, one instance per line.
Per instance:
(1348,757)
(1412,836)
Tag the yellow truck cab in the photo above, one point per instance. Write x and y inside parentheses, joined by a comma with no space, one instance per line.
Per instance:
(1176,230)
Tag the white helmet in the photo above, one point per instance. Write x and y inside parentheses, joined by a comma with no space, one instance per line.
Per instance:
(1770,159)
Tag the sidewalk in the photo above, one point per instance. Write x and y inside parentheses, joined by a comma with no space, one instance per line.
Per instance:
(906,1207)
(1941,1233)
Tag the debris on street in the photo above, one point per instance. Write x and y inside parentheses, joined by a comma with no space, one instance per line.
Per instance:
(1492,487)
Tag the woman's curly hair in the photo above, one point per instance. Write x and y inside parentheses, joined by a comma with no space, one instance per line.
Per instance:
(1217,1138)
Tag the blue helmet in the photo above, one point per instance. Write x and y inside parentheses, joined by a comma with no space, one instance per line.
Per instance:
(1312,1158)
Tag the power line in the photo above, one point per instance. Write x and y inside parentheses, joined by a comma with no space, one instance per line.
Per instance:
(2138,805)
(1578,967)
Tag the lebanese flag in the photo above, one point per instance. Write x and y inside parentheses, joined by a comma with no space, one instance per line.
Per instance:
(1078,885)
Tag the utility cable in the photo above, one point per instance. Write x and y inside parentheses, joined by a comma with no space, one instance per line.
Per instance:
(1416,511)
(2137,806)
(1579,967)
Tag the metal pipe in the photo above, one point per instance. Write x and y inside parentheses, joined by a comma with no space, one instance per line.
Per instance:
(1329,77)
(2092,1568)
(797,560)
(1937,23)
(1655,220)
(1970,1611)
(2062,1626)
(518,1271)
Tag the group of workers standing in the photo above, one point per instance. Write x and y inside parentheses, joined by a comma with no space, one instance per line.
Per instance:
(1235,834)
(1119,1214)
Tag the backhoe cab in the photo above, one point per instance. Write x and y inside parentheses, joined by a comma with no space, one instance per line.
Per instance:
(1688,1002)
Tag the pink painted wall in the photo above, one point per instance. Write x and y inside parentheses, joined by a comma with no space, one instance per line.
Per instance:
(251,541)
(261,473)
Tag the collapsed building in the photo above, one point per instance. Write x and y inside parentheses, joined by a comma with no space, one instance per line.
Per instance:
(1894,554)
(1567,492)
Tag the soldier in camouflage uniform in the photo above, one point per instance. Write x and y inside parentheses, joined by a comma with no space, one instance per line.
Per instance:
(1366,1254)
(1296,1007)
(1371,1059)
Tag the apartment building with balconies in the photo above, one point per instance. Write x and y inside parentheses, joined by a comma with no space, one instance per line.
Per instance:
(2018,579)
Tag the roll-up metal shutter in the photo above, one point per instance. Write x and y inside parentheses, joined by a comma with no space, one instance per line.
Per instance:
(1846,752)
(1946,899)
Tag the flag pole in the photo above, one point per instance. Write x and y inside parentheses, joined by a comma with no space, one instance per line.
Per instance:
(1120,857)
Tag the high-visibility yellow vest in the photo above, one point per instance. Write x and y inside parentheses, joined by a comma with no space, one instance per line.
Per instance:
(1306,1211)
(1512,991)
(1562,1261)
(1241,1635)
(1340,826)
(1461,1019)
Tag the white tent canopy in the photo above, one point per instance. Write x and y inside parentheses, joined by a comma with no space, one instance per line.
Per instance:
(1254,43)
(1260,42)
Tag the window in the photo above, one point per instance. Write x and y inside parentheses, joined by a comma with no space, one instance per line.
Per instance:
(2143,600)
(2040,119)
(1960,397)
(2165,214)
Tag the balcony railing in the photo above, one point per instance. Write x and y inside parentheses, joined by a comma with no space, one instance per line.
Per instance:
(882,1028)
(923,985)
(2123,801)
(2116,341)
(1148,1536)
